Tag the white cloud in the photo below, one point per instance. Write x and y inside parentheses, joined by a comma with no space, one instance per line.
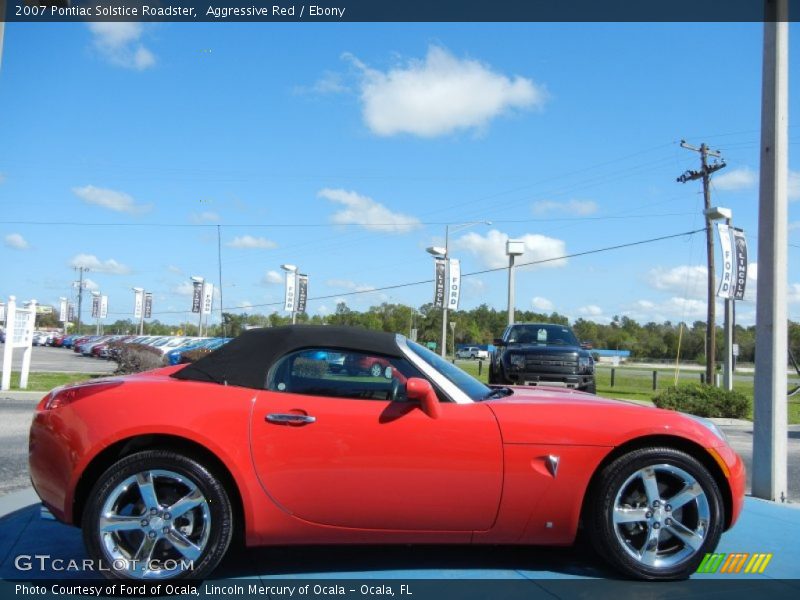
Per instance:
(364,211)
(540,303)
(329,83)
(174,269)
(120,44)
(687,280)
(349,285)
(591,310)
(273,277)
(93,263)
(248,241)
(490,249)
(184,288)
(743,178)
(111,199)
(794,185)
(580,208)
(246,305)
(794,293)
(91,284)
(2,177)
(676,308)
(440,95)
(322,309)
(16,241)
(204,217)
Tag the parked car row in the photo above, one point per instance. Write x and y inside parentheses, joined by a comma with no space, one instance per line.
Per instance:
(108,346)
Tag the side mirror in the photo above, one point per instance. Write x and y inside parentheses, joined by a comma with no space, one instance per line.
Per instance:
(422,390)
(499,342)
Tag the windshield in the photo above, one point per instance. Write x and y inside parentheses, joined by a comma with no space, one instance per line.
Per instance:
(466,383)
(541,334)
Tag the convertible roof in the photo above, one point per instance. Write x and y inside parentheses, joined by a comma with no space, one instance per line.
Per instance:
(245,360)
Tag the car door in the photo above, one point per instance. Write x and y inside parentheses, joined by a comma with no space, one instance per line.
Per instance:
(333,448)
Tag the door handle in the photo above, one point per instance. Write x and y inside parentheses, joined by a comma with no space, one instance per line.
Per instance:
(291,419)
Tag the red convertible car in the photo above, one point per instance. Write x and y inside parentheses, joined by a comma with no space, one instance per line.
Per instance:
(262,439)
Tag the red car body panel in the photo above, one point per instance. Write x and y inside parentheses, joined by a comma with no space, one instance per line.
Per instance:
(368,471)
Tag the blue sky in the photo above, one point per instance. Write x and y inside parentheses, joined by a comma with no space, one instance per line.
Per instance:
(345,148)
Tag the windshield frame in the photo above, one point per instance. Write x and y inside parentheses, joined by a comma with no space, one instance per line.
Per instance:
(463,388)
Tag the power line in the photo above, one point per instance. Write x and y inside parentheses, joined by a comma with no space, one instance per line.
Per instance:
(315,225)
(474,273)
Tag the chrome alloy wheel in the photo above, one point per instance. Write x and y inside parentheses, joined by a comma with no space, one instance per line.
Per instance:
(661,516)
(153,524)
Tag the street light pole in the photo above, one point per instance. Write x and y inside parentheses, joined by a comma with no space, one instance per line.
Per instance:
(514,248)
(438,252)
(727,376)
(291,271)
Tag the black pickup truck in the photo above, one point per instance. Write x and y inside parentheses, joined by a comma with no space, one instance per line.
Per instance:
(541,353)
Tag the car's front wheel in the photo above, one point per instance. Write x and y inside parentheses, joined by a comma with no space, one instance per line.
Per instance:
(157,515)
(654,513)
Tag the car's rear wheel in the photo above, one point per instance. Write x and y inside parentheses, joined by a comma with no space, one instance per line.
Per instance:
(157,515)
(654,513)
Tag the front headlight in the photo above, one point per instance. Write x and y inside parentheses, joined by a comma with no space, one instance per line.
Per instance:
(710,425)
(517,361)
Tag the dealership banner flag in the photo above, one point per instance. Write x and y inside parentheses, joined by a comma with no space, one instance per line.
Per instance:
(439,286)
(302,292)
(95,307)
(62,310)
(2,312)
(208,298)
(148,305)
(197,296)
(454,287)
(71,312)
(725,289)
(289,299)
(103,307)
(740,263)
(137,303)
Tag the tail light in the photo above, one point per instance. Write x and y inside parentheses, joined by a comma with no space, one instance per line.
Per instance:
(62,396)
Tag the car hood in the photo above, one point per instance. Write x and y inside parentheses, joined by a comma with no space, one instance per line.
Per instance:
(542,349)
(545,415)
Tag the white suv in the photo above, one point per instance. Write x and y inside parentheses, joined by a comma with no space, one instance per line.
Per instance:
(472,352)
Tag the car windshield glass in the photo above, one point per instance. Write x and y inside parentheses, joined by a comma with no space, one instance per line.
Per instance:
(465,382)
(542,334)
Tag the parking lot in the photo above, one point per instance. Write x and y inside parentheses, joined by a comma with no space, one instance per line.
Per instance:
(45,359)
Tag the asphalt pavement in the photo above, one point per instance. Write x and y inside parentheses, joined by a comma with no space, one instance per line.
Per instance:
(45,359)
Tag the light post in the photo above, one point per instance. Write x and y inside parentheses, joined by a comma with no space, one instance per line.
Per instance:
(718,213)
(197,302)
(443,253)
(96,310)
(291,290)
(138,307)
(514,248)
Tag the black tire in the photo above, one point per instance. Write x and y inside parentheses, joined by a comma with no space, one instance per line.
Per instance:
(591,388)
(208,524)
(619,543)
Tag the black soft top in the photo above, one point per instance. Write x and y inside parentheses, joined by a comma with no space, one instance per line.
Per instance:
(245,360)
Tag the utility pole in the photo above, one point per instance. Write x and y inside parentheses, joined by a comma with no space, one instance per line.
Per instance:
(770,436)
(81,271)
(705,174)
